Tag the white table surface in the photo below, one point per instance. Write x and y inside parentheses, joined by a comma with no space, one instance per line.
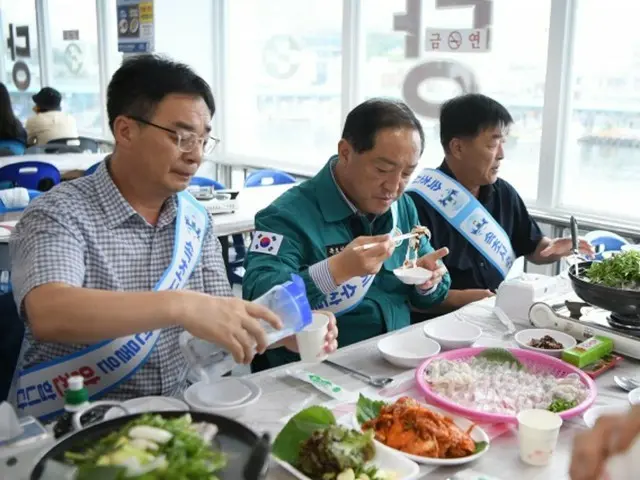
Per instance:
(250,202)
(501,461)
(283,396)
(64,162)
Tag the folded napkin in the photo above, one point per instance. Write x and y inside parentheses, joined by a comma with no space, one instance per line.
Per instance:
(9,424)
(14,198)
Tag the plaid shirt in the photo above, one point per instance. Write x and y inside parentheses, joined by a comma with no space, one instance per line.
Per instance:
(84,233)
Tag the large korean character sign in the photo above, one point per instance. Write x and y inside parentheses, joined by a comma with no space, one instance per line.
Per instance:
(419,39)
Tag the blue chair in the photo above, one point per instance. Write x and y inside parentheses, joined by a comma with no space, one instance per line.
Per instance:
(206,182)
(92,168)
(263,178)
(14,146)
(32,175)
(32,194)
(605,242)
(238,240)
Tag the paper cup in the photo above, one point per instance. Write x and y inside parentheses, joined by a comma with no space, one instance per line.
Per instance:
(311,339)
(538,432)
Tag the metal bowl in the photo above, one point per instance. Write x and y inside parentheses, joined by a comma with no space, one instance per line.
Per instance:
(624,303)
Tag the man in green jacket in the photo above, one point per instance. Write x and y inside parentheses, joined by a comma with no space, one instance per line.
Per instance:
(319,228)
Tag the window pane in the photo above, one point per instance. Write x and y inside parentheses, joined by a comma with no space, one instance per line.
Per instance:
(75,73)
(284,79)
(18,26)
(513,72)
(602,158)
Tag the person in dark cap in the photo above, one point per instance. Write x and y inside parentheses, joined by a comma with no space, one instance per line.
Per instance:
(49,122)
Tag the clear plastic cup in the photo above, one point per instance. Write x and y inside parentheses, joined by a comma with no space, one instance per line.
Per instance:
(288,301)
(538,432)
(311,339)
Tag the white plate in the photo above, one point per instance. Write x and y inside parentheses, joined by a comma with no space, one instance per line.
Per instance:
(452,333)
(634,396)
(385,459)
(477,434)
(148,404)
(202,396)
(523,338)
(591,415)
(408,349)
(413,276)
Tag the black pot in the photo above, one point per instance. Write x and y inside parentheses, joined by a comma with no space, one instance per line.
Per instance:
(247,454)
(625,303)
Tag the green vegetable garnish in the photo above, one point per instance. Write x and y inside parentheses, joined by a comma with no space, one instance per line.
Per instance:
(312,442)
(187,455)
(298,429)
(560,405)
(480,447)
(333,450)
(367,409)
(500,355)
(619,271)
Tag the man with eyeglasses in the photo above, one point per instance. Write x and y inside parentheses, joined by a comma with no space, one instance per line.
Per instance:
(109,269)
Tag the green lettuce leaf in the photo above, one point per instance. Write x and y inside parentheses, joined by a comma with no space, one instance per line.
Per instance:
(287,444)
(480,447)
(501,355)
(368,409)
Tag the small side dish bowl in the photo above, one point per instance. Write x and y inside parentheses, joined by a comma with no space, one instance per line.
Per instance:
(524,337)
(408,349)
(452,333)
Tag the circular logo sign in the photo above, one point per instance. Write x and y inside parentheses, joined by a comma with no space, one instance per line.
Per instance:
(281,57)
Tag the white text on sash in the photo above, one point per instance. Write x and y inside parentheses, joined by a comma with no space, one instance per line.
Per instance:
(40,390)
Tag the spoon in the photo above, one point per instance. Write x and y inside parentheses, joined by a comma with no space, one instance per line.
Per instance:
(377,382)
(626,383)
(506,321)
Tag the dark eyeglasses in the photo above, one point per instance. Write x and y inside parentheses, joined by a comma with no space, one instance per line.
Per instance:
(186,141)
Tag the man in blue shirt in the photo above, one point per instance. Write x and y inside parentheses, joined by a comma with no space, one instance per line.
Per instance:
(490,226)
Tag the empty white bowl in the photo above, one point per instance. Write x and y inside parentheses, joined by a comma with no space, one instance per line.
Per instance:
(408,349)
(523,338)
(630,248)
(230,396)
(591,416)
(413,276)
(452,333)
(634,396)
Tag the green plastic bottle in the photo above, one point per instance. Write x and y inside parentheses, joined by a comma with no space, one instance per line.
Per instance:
(76,397)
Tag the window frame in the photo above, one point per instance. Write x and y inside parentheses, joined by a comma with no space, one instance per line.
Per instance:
(556,113)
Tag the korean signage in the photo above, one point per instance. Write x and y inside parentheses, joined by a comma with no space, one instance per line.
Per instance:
(419,39)
(19,45)
(461,40)
(135,26)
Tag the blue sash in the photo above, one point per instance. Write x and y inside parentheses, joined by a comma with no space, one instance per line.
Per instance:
(40,389)
(467,215)
(349,295)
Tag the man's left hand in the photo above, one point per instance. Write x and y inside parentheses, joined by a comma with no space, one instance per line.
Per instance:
(562,247)
(330,340)
(433,262)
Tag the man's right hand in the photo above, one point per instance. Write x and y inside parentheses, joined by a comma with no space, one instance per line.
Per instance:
(355,261)
(229,322)
(611,435)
